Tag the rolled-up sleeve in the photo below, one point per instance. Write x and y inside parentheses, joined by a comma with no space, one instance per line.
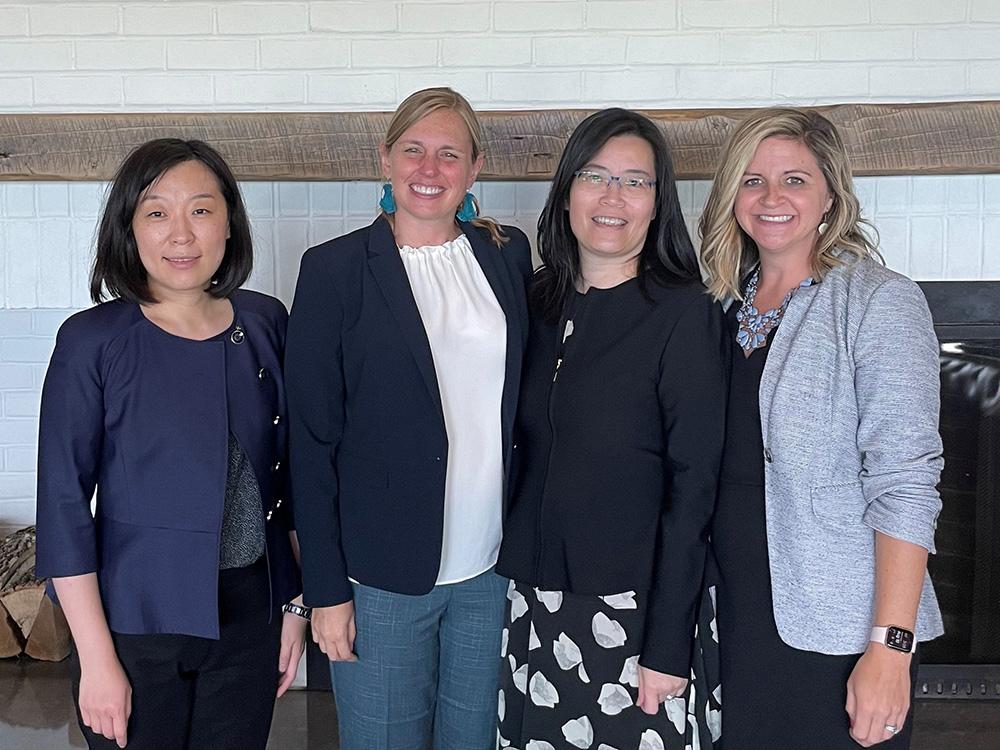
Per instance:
(897,381)
(70,437)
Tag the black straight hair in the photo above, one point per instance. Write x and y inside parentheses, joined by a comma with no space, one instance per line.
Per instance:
(117,266)
(666,257)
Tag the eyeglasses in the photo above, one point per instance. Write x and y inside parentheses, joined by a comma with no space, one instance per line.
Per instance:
(598,179)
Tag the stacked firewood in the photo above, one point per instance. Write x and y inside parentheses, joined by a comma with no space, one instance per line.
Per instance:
(29,622)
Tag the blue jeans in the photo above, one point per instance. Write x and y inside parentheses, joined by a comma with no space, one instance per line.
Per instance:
(427,667)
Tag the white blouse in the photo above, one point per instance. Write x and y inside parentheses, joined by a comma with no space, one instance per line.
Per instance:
(467,331)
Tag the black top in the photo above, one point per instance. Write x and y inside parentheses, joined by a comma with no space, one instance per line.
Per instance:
(616,459)
(741,459)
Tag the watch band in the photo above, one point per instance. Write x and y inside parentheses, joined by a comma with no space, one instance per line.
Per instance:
(894,637)
(294,609)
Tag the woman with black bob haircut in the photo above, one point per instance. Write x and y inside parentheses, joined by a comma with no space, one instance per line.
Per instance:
(118,269)
(617,444)
(168,401)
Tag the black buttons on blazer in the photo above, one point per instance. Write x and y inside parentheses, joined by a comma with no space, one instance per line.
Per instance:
(277,418)
(767,456)
(263,374)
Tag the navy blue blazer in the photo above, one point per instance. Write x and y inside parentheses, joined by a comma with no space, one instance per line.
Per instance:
(142,416)
(368,446)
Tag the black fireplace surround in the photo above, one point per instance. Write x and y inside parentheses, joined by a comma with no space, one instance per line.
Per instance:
(965,662)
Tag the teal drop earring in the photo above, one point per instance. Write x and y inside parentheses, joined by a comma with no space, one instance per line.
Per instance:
(469,209)
(387,203)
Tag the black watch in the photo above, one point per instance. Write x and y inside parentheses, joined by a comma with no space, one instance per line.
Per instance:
(894,637)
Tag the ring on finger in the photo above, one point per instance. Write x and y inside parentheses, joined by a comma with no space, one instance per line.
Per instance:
(892,729)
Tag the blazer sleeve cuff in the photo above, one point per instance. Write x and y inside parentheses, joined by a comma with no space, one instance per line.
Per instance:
(915,525)
(327,593)
(668,643)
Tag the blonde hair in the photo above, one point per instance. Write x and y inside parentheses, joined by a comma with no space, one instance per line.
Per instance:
(728,253)
(422,103)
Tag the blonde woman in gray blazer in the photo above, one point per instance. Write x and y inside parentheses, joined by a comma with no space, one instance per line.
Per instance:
(828,500)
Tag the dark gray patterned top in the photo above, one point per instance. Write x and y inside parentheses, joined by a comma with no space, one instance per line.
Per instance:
(242,540)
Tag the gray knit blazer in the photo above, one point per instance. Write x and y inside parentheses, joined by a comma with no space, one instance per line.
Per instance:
(849,403)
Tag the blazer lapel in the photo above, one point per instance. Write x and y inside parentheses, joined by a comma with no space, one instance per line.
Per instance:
(488,256)
(791,321)
(387,268)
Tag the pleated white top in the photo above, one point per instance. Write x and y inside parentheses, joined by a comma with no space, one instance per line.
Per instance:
(467,331)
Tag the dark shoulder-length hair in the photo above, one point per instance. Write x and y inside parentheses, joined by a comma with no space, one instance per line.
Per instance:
(117,267)
(667,255)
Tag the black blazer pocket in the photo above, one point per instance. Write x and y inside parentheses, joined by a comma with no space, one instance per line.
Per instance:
(840,504)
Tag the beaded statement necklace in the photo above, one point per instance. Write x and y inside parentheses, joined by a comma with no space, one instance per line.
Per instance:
(754,326)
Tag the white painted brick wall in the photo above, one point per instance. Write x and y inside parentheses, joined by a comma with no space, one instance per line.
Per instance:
(296,55)
(158,20)
(722,52)
(262,18)
(439,18)
(63,19)
(624,14)
(538,16)
(352,17)
(824,12)
(13,21)
(209,54)
(726,14)
(919,11)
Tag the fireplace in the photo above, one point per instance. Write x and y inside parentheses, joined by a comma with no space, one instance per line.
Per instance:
(965,662)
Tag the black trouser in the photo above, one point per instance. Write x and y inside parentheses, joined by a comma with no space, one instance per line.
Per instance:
(194,693)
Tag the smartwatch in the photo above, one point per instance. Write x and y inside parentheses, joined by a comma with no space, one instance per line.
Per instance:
(894,637)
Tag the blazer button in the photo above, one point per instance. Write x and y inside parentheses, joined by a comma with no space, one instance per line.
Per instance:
(767,456)
(277,418)
(269,514)
(277,465)
(263,374)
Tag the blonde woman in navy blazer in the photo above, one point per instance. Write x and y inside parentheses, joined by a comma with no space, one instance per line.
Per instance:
(168,400)
(403,362)
(828,498)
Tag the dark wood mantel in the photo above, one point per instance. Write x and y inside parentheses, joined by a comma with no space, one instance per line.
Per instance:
(883,139)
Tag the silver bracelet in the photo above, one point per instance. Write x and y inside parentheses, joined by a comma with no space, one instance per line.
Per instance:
(304,612)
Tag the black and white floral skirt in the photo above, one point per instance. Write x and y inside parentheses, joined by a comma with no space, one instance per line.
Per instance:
(569,677)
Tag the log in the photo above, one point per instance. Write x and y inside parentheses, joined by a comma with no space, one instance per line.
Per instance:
(881,139)
(17,559)
(49,639)
(29,621)
(22,606)
(11,640)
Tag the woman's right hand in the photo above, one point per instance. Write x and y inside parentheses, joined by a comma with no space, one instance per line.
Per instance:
(106,699)
(333,631)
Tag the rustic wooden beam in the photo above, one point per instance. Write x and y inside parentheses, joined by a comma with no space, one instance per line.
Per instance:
(883,139)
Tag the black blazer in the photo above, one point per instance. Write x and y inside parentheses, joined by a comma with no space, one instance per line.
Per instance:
(617,458)
(142,415)
(368,449)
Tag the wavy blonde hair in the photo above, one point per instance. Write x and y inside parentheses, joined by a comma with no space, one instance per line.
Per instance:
(421,103)
(728,253)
